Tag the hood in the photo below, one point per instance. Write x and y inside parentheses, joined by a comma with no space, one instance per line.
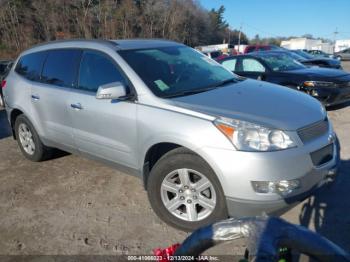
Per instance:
(328,60)
(258,102)
(316,73)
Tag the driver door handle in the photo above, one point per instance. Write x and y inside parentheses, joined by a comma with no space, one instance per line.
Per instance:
(76,106)
(35,97)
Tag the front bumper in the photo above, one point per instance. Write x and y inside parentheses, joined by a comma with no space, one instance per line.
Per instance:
(330,96)
(248,208)
(237,169)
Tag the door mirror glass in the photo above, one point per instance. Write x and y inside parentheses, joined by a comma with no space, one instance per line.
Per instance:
(115,90)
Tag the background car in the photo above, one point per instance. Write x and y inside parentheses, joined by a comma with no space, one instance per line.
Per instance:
(5,66)
(213,54)
(343,55)
(310,60)
(319,53)
(330,86)
(257,48)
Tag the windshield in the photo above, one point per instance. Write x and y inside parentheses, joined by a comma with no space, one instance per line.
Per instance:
(281,62)
(176,70)
(295,56)
(303,54)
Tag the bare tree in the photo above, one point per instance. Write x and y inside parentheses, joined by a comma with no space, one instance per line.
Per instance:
(26,22)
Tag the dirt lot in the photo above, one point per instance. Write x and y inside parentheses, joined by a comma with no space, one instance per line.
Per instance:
(71,205)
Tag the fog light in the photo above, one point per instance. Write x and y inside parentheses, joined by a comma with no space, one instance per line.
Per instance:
(314,93)
(283,187)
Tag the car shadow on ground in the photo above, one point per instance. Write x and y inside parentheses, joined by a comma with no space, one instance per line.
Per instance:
(329,209)
(5,130)
(337,107)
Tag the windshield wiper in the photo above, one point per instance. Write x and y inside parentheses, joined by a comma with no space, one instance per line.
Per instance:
(189,92)
(201,90)
(227,81)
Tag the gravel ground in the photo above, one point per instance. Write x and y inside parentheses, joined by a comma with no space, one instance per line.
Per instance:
(71,205)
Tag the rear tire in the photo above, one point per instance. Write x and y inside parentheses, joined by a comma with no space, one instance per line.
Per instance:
(29,142)
(186,184)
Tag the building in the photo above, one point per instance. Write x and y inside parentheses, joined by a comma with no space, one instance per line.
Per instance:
(341,45)
(306,43)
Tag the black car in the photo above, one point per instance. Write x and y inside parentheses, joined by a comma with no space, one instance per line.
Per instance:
(310,60)
(330,86)
(5,66)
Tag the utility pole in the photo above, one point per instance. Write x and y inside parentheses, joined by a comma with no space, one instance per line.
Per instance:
(229,35)
(239,35)
(335,37)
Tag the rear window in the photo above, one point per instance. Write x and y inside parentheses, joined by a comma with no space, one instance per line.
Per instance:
(61,67)
(29,66)
(263,48)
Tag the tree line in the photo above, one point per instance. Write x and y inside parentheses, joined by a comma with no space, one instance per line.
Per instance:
(24,23)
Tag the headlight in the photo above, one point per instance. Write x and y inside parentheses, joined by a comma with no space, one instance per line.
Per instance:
(247,136)
(319,84)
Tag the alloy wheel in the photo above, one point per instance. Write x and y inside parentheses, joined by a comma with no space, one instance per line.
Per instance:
(26,139)
(188,194)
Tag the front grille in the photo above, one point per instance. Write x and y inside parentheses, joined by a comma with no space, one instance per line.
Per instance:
(322,156)
(343,85)
(313,131)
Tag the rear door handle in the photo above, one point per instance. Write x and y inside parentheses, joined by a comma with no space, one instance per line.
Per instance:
(76,106)
(35,97)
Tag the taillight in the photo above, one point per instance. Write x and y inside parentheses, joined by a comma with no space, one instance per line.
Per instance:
(3,83)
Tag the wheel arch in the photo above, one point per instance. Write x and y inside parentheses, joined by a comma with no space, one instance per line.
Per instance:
(159,149)
(13,116)
(153,154)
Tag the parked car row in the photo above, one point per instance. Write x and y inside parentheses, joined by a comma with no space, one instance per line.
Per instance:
(330,86)
(207,143)
(319,53)
(310,60)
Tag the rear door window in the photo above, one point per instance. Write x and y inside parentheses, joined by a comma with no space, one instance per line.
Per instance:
(97,69)
(252,65)
(30,66)
(230,64)
(61,67)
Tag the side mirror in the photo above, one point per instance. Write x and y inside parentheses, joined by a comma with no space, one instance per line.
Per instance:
(261,76)
(115,90)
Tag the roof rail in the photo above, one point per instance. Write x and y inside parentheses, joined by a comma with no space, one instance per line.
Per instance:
(101,41)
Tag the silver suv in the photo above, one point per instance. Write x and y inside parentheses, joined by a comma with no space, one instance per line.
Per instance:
(207,143)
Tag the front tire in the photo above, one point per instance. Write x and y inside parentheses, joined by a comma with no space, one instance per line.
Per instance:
(29,142)
(184,191)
